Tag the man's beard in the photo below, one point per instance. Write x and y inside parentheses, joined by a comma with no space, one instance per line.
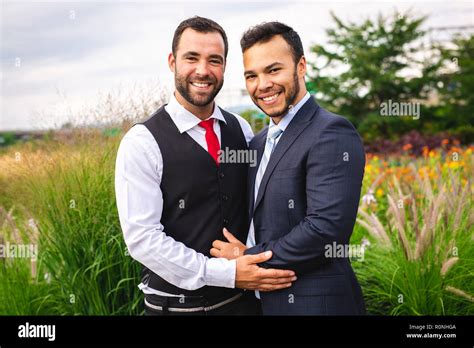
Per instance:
(293,92)
(182,86)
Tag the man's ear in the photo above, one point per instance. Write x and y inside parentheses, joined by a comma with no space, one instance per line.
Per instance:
(171,62)
(301,68)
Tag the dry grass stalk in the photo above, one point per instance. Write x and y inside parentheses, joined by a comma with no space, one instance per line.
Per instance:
(448,264)
(459,292)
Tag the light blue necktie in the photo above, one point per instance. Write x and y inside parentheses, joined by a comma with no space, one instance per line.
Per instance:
(273,133)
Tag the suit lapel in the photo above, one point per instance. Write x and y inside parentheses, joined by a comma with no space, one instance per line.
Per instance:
(301,120)
(259,146)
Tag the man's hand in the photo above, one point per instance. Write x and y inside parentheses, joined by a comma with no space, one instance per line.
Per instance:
(250,276)
(231,250)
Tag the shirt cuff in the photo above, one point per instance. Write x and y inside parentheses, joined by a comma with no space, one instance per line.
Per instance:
(221,272)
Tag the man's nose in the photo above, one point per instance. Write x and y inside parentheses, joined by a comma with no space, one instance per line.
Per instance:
(264,83)
(202,68)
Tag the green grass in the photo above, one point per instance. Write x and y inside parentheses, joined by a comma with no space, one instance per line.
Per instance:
(393,285)
(81,248)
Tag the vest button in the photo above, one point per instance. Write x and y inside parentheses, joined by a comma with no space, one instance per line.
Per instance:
(221,175)
(225,197)
(226,221)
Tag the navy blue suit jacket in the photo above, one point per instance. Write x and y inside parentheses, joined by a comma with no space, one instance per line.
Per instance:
(308,199)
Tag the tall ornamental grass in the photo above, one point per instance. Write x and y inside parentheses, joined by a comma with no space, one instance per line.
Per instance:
(83,267)
(419,219)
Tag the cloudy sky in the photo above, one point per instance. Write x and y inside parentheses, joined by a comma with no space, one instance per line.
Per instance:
(58,56)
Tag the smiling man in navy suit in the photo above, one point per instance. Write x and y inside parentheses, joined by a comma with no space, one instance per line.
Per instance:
(305,190)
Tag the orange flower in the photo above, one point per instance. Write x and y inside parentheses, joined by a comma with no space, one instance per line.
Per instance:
(423,171)
(456,149)
(407,147)
(405,171)
(444,142)
(426,149)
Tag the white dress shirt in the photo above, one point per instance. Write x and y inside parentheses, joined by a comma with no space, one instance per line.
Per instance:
(138,172)
(283,124)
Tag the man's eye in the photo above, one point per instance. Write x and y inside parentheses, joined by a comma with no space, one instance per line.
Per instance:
(249,77)
(273,70)
(215,61)
(191,58)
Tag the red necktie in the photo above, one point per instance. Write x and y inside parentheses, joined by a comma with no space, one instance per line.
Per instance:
(211,139)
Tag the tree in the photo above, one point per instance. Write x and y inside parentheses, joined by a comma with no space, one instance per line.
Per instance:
(366,65)
(456,88)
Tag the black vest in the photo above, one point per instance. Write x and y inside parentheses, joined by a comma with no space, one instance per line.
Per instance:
(199,197)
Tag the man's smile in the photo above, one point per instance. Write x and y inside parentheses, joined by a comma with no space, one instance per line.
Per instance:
(269,98)
(201,85)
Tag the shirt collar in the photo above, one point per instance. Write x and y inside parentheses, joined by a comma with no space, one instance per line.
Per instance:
(184,119)
(285,120)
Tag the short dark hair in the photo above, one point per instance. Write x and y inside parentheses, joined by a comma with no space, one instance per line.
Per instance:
(199,24)
(264,32)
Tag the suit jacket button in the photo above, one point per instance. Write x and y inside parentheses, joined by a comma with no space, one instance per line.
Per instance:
(226,221)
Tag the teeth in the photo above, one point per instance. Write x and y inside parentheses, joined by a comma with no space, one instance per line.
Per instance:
(270,97)
(201,85)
